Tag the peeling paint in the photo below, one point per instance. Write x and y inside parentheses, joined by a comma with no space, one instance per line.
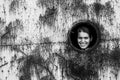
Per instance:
(46,3)
(79,5)
(31,62)
(108,9)
(98,8)
(49,17)
(32,51)
(11,32)
(15,5)
(75,65)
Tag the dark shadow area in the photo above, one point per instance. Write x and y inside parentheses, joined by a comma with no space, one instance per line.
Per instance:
(81,72)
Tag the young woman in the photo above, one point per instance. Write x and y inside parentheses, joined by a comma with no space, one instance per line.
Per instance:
(84,38)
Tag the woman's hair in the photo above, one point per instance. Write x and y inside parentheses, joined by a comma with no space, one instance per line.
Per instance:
(84,29)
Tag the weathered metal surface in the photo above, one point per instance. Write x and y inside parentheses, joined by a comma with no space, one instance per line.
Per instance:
(34,40)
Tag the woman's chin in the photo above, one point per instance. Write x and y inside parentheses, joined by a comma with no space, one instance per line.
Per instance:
(82,47)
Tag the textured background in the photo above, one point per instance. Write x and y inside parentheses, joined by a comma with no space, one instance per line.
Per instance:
(34,39)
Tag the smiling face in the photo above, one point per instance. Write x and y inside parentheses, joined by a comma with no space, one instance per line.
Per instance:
(83,39)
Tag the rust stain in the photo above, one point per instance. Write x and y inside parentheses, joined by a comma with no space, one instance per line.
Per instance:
(15,5)
(108,9)
(46,3)
(34,62)
(11,32)
(98,8)
(79,5)
(115,58)
(49,17)
(86,65)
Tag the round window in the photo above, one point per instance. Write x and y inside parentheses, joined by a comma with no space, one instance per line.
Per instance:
(84,35)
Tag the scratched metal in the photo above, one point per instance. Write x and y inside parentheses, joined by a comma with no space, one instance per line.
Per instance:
(34,39)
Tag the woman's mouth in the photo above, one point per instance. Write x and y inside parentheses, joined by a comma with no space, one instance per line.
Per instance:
(82,44)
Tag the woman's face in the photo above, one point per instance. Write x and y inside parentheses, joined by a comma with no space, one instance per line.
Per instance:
(83,39)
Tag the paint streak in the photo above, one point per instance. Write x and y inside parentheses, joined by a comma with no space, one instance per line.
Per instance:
(108,9)
(46,47)
(49,17)
(115,58)
(65,7)
(81,67)
(2,25)
(104,10)
(79,5)
(98,8)
(38,63)
(46,3)
(47,78)
(15,5)
(85,66)
(7,35)
(11,32)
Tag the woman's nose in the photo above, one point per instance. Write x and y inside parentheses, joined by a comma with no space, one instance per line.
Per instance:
(82,39)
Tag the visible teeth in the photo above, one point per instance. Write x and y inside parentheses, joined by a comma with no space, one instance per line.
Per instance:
(83,44)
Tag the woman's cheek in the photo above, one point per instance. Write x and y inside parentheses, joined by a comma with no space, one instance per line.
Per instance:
(79,40)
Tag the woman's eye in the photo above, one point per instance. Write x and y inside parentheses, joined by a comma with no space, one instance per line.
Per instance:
(86,37)
(80,37)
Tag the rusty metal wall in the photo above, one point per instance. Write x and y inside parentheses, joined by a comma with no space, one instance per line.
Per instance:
(34,39)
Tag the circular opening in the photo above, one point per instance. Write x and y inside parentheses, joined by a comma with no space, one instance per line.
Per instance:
(84,35)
